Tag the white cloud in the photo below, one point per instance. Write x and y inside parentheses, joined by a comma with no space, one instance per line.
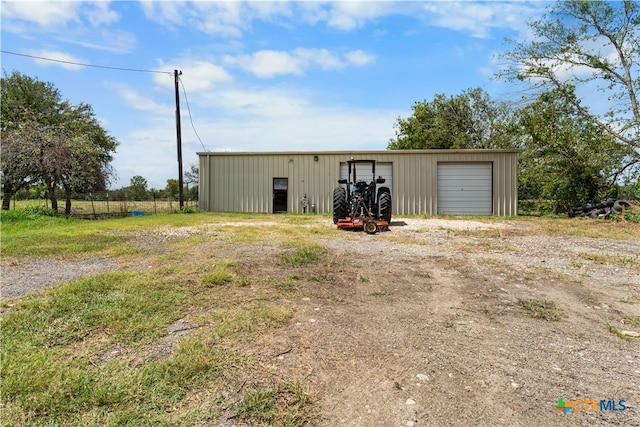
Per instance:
(60,59)
(267,102)
(350,15)
(360,58)
(233,18)
(198,75)
(84,24)
(44,13)
(312,12)
(227,18)
(163,12)
(100,14)
(51,14)
(313,128)
(479,19)
(107,40)
(321,57)
(271,63)
(140,102)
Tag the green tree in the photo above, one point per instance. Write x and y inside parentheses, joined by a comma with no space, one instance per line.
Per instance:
(26,112)
(566,158)
(591,46)
(191,177)
(89,148)
(16,165)
(138,188)
(172,189)
(50,141)
(469,120)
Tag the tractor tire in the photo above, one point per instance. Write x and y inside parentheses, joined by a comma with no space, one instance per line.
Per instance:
(377,208)
(384,205)
(339,204)
(383,190)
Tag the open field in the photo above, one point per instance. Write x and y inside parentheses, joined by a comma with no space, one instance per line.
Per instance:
(89,208)
(245,320)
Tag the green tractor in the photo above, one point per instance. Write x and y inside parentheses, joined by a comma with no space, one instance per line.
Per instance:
(361,205)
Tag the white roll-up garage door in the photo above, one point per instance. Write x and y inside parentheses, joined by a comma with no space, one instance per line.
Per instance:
(363,173)
(465,188)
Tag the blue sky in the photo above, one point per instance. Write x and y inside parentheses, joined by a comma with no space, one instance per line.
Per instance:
(258,76)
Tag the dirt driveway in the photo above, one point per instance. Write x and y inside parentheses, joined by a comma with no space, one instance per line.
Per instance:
(432,324)
(421,326)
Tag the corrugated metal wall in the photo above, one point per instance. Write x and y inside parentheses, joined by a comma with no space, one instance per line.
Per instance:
(243,182)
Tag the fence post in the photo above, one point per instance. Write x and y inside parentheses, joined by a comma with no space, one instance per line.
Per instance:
(93,206)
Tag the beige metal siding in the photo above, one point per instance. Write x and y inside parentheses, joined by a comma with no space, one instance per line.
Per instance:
(242,182)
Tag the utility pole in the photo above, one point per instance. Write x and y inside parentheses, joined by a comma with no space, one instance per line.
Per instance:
(176,75)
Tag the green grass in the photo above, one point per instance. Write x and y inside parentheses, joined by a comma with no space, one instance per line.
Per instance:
(584,227)
(97,351)
(53,365)
(303,256)
(217,277)
(50,341)
(286,404)
(632,320)
(541,309)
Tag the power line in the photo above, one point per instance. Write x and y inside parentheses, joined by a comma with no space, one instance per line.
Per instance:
(85,65)
(120,69)
(184,91)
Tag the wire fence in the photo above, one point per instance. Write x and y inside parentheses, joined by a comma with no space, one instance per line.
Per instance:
(105,204)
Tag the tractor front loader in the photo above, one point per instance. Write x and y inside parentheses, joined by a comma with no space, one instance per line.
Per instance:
(361,205)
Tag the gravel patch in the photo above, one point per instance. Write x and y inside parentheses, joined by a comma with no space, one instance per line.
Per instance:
(19,279)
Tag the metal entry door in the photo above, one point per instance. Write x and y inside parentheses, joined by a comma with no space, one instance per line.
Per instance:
(280,187)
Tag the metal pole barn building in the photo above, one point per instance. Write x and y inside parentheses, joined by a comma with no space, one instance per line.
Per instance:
(422,182)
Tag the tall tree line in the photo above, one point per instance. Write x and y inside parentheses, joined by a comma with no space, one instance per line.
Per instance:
(570,153)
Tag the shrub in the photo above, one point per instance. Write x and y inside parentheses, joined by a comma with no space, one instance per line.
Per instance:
(28,213)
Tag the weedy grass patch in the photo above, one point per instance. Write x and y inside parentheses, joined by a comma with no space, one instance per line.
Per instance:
(603,258)
(217,277)
(287,404)
(377,294)
(585,227)
(632,320)
(541,309)
(99,350)
(301,256)
(56,367)
(614,329)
